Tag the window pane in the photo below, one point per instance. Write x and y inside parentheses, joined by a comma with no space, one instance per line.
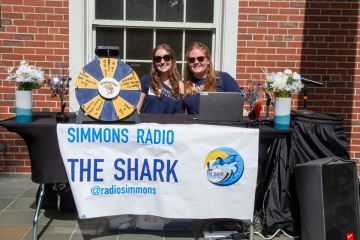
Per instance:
(110,37)
(109,9)
(169,10)
(139,43)
(204,37)
(171,37)
(140,10)
(141,69)
(201,11)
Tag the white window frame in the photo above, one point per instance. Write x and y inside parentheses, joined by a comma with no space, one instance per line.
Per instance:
(82,36)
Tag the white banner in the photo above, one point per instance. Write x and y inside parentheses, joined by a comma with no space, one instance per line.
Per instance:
(172,170)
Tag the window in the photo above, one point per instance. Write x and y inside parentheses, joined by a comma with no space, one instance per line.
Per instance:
(136,41)
(137,26)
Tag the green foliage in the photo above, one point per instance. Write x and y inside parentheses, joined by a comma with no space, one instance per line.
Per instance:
(283,94)
(289,80)
(27,86)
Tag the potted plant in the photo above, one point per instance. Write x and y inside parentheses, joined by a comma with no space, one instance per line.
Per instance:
(283,84)
(254,97)
(60,87)
(26,78)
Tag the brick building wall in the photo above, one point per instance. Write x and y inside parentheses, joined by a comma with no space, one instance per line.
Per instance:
(318,39)
(36,31)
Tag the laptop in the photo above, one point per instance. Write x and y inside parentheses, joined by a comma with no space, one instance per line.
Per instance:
(221,106)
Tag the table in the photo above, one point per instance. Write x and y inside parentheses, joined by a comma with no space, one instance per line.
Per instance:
(41,139)
(46,161)
(315,136)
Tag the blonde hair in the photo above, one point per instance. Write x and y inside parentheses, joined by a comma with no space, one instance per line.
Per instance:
(211,73)
(174,75)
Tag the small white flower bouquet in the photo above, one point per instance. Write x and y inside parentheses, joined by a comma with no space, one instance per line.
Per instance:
(283,83)
(27,77)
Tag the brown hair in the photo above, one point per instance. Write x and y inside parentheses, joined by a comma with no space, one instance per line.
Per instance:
(174,75)
(211,73)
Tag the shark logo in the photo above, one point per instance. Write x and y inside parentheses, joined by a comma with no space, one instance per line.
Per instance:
(109,88)
(224,166)
(227,168)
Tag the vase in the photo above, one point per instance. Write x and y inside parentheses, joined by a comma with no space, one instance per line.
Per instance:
(23,106)
(61,117)
(282,113)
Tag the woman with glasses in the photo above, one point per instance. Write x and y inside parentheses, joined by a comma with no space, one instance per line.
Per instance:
(162,90)
(200,76)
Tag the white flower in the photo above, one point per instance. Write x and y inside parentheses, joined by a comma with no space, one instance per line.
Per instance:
(297,86)
(11,77)
(10,69)
(24,69)
(23,78)
(288,71)
(26,73)
(279,81)
(296,76)
(38,76)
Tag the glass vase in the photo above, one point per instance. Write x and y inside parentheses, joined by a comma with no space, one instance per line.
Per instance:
(61,116)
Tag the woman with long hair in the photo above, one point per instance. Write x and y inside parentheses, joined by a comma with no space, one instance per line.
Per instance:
(162,90)
(200,76)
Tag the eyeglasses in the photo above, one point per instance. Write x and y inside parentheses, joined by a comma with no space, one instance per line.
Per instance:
(166,58)
(200,59)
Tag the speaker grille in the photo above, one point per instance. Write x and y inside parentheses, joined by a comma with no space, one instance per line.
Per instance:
(333,234)
(341,211)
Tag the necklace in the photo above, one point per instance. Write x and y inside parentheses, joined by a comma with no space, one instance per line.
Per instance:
(197,89)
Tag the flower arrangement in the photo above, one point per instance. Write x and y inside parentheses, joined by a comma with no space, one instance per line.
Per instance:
(59,87)
(27,77)
(283,83)
(251,94)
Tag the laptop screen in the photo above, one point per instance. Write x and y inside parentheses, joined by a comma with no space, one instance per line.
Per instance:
(221,106)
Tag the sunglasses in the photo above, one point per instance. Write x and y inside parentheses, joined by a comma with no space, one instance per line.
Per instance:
(200,59)
(166,58)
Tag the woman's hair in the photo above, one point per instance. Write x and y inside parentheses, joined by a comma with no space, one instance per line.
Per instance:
(211,74)
(174,75)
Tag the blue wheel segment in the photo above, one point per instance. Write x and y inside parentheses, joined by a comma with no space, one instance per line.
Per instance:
(94,69)
(122,71)
(131,96)
(108,112)
(84,95)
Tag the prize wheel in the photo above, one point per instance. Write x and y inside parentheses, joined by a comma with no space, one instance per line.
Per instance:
(108,89)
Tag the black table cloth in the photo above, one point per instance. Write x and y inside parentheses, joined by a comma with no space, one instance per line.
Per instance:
(314,137)
(46,162)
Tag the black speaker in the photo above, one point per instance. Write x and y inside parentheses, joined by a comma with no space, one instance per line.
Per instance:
(328,194)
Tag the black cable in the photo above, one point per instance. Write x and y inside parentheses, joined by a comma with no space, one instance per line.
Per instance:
(236,236)
(227,225)
(277,161)
(198,236)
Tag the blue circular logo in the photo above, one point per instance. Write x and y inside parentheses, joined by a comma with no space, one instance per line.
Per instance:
(224,166)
